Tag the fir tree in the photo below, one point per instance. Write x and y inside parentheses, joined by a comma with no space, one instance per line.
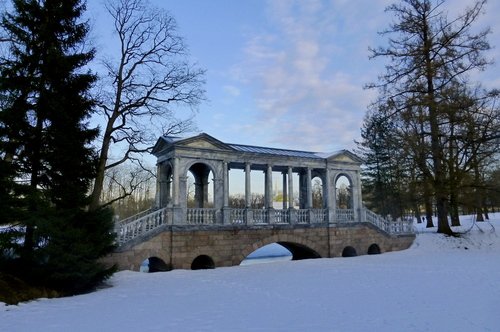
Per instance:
(45,141)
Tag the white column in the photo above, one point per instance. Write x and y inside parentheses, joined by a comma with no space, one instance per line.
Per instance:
(285,195)
(290,188)
(176,175)
(225,170)
(269,187)
(248,189)
(327,190)
(309,189)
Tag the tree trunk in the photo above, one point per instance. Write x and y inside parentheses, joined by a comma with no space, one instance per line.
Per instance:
(95,197)
(436,151)
(455,220)
(428,205)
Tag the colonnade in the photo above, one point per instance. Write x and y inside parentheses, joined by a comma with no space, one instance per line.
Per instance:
(203,155)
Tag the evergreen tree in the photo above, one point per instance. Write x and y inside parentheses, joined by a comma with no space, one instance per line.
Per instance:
(428,54)
(45,142)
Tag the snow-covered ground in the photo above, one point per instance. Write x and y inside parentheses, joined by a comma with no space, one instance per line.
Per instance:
(439,284)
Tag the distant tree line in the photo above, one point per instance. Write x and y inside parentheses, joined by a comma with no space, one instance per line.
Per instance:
(431,139)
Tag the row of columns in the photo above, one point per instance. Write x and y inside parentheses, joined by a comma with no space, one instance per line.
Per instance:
(287,184)
(176,194)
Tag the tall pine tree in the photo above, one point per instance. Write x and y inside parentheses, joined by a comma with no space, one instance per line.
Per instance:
(45,145)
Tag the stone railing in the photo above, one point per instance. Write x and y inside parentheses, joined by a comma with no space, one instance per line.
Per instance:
(135,217)
(400,226)
(201,216)
(141,224)
(344,215)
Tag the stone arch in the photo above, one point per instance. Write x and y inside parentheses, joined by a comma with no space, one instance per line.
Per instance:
(318,186)
(349,251)
(299,247)
(202,262)
(164,193)
(344,191)
(374,249)
(157,264)
(201,174)
(214,166)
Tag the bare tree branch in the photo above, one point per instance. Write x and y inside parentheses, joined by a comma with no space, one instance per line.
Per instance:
(142,85)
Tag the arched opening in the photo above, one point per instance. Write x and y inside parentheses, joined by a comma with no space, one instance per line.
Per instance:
(280,251)
(349,252)
(154,264)
(273,252)
(317,193)
(164,185)
(374,249)
(300,251)
(203,262)
(343,192)
(200,186)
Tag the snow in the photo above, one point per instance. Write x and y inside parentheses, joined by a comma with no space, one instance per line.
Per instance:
(439,284)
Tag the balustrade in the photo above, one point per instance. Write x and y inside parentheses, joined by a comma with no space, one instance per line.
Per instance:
(319,216)
(141,224)
(201,216)
(344,215)
(302,216)
(259,216)
(238,216)
(281,216)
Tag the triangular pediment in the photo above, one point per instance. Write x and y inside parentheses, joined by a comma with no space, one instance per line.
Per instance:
(345,156)
(201,141)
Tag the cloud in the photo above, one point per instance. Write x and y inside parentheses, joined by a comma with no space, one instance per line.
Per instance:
(307,69)
(300,68)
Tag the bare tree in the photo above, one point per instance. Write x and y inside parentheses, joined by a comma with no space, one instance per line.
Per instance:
(128,189)
(140,87)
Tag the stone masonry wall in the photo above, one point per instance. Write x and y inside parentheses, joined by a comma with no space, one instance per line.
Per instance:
(228,246)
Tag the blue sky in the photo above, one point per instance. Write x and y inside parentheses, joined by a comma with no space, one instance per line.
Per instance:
(288,73)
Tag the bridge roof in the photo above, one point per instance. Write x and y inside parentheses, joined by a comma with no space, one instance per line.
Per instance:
(274,151)
(175,140)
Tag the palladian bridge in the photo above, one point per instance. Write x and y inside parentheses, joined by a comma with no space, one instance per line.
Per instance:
(214,233)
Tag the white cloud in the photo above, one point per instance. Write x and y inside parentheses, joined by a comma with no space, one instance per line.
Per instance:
(304,94)
(232,90)
(308,69)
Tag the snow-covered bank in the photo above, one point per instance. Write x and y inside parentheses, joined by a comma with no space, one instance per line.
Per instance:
(440,284)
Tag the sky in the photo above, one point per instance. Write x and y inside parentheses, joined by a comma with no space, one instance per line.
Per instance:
(288,73)
(441,283)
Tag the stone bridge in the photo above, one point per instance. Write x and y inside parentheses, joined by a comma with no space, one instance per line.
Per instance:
(193,225)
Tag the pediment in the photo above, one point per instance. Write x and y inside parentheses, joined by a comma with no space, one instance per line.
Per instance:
(201,144)
(345,156)
(201,141)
